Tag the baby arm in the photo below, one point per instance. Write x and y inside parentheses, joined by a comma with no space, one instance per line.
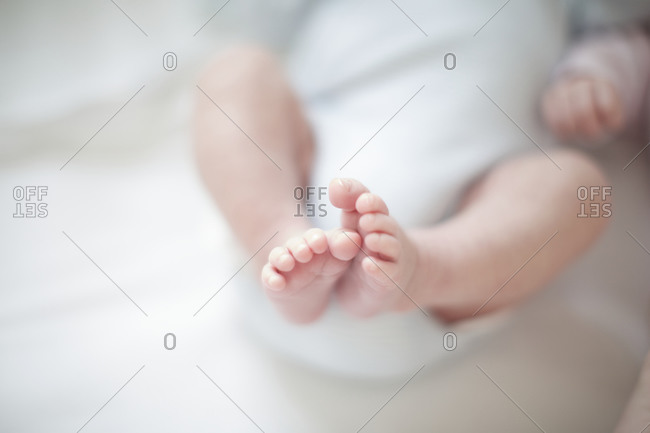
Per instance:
(601,86)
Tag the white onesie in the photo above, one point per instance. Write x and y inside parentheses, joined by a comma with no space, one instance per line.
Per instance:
(416,107)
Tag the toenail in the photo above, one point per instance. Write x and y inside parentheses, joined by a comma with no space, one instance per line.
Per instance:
(274,281)
(345,183)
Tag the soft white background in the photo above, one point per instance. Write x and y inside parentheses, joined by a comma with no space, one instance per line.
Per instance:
(133,202)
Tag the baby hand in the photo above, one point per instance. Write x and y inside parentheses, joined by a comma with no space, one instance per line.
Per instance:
(583,109)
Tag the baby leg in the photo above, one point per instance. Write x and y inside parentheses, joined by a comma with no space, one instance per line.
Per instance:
(516,229)
(254,147)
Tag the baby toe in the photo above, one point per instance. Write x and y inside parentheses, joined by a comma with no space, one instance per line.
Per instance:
(385,245)
(316,240)
(271,279)
(377,222)
(369,202)
(345,192)
(299,250)
(281,259)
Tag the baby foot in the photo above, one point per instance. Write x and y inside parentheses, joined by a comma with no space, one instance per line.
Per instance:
(381,273)
(300,276)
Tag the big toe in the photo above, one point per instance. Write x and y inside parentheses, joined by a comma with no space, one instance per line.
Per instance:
(345,192)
